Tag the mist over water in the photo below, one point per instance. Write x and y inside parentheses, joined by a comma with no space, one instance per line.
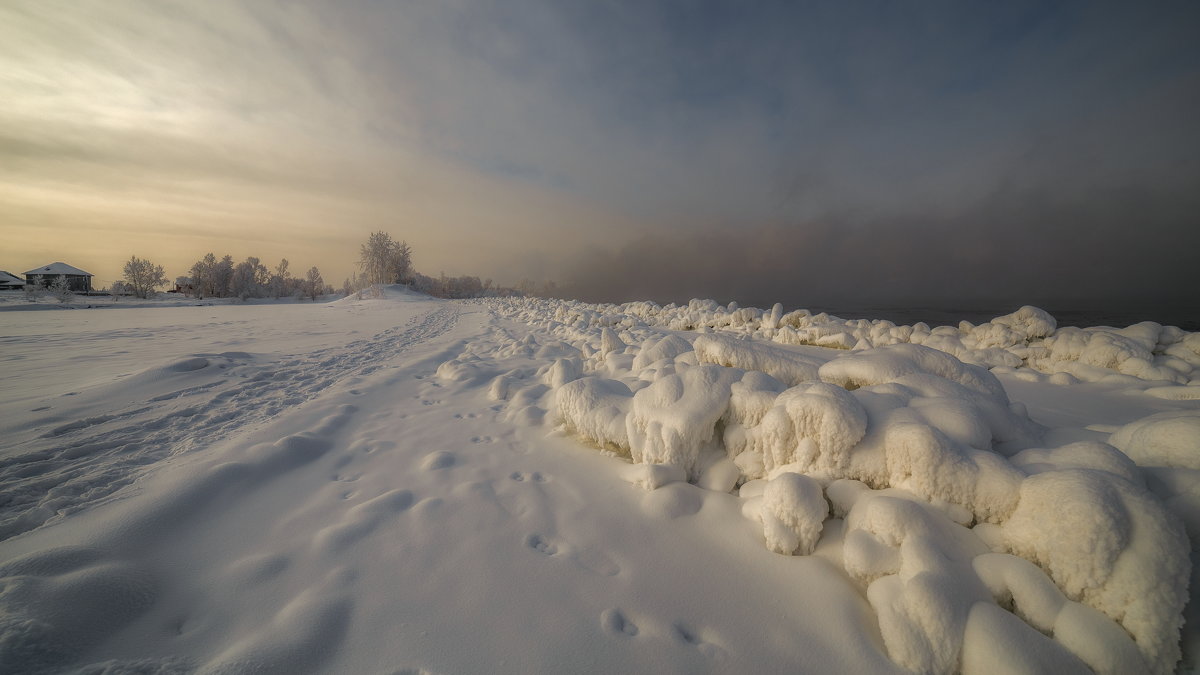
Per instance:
(1115,259)
(1186,317)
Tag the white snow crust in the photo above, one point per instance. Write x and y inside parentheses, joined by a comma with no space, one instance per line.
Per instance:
(391,483)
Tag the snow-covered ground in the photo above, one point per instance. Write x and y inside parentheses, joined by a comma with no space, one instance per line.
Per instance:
(400,484)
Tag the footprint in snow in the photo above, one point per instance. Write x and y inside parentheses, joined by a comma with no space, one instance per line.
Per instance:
(534,477)
(591,560)
(687,635)
(616,623)
(541,544)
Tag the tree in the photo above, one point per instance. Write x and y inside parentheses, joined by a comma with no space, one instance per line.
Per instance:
(403,263)
(384,260)
(246,279)
(60,288)
(223,276)
(143,276)
(314,284)
(280,280)
(202,276)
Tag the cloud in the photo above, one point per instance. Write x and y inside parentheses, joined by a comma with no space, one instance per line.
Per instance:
(536,138)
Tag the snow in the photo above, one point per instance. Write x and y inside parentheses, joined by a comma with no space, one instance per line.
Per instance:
(793,513)
(392,483)
(58,268)
(1166,439)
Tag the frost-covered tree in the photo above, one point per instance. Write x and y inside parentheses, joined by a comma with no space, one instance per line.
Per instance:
(403,263)
(384,260)
(281,280)
(223,276)
(248,278)
(60,288)
(203,272)
(143,276)
(314,285)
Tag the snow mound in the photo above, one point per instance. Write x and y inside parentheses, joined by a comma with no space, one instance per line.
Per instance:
(964,533)
(889,364)
(389,292)
(1110,545)
(596,408)
(793,511)
(673,419)
(1165,439)
(785,366)
(810,428)
(922,459)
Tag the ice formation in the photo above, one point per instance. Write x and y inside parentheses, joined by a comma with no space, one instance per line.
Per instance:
(929,523)
(963,529)
(1170,439)
(793,511)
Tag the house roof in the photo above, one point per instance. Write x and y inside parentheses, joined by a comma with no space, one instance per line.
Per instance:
(59,268)
(8,279)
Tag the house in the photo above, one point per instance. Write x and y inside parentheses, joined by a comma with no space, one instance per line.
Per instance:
(10,281)
(78,280)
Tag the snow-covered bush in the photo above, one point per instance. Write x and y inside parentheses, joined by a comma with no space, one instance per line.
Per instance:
(60,289)
(34,291)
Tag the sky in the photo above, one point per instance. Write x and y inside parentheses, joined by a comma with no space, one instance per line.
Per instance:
(813,153)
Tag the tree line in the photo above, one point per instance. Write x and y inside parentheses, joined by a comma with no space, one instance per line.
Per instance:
(382,260)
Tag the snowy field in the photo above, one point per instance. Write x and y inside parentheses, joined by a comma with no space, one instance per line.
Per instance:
(397,484)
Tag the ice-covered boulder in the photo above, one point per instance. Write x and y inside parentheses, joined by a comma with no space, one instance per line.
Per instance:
(1087,635)
(888,364)
(1111,545)
(784,365)
(1093,354)
(674,418)
(1029,322)
(610,342)
(656,349)
(595,408)
(810,428)
(916,565)
(1165,439)
(793,512)
(923,460)
(1079,455)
